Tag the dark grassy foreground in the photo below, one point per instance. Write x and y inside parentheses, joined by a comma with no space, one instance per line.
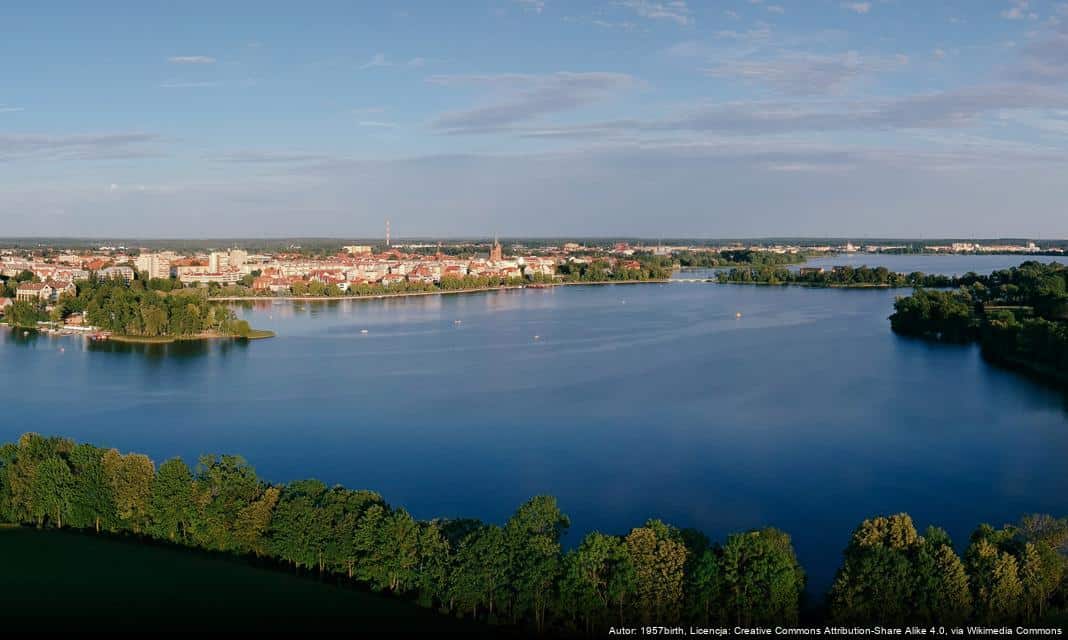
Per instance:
(66,580)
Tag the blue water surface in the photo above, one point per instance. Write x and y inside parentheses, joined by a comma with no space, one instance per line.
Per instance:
(626,402)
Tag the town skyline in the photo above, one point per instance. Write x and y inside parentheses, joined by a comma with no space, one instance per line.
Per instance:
(646,118)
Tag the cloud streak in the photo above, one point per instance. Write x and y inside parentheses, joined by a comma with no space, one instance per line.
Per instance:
(76,147)
(675,11)
(806,74)
(1045,58)
(948,110)
(191,60)
(524,97)
(272,157)
(380,60)
(182,84)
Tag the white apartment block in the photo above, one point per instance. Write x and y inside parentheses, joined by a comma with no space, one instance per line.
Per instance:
(156,265)
(219,261)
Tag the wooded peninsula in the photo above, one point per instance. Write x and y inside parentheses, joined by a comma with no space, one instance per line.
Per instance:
(844,276)
(518,574)
(1018,316)
(133,310)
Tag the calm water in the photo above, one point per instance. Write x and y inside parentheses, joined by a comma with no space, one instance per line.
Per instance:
(806,413)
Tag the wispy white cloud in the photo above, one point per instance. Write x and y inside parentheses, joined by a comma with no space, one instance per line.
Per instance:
(616,25)
(379,60)
(535,6)
(9,109)
(675,11)
(806,74)
(378,124)
(191,60)
(1045,57)
(937,112)
(182,84)
(1019,10)
(256,156)
(522,97)
(857,7)
(76,147)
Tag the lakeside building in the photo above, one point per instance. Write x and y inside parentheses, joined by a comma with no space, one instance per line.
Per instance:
(203,274)
(357,265)
(33,292)
(67,288)
(126,273)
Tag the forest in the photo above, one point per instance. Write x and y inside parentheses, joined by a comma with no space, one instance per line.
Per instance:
(650,268)
(135,309)
(737,257)
(845,276)
(518,573)
(1018,316)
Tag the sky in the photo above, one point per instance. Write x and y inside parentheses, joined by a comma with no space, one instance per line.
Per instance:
(650,118)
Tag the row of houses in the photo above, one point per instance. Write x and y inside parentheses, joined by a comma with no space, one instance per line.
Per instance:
(280,276)
(279,272)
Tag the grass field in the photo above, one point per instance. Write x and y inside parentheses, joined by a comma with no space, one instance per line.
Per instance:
(67,580)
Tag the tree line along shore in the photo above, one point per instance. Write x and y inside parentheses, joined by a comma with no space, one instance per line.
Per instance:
(518,574)
(843,276)
(131,311)
(1018,317)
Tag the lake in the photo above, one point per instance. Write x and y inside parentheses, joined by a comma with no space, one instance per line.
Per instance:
(625,401)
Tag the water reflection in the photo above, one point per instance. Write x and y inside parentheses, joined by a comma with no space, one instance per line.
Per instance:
(177,350)
(23,337)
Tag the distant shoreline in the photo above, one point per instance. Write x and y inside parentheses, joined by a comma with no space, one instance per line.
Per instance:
(410,294)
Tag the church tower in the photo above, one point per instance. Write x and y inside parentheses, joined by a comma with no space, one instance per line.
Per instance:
(496,255)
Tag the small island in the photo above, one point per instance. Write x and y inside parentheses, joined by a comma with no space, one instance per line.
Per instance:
(127,311)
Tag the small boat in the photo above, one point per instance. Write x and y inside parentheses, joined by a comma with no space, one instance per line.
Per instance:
(457,321)
(738,315)
(363,330)
(537,337)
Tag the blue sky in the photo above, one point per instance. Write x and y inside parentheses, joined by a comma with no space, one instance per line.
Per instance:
(535,117)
